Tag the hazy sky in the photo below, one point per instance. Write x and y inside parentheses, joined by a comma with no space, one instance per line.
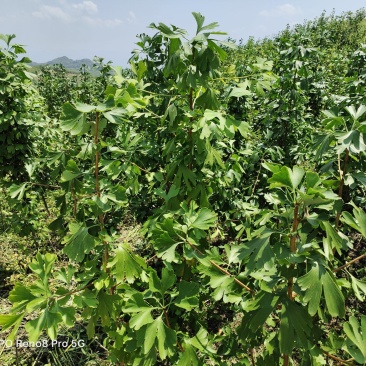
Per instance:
(108,28)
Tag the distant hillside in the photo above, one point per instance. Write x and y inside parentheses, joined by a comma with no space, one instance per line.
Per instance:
(67,63)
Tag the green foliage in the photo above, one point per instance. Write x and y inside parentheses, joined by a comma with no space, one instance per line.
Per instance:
(251,233)
(17,103)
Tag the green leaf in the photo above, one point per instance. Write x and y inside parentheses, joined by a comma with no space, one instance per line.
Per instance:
(223,284)
(188,295)
(257,253)
(86,298)
(20,296)
(356,114)
(84,108)
(46,321)
(287,177)
(165,238)
(42,265)
(241,126)
(295,325)
(106,307)
(357,287)
(188,357)
(73,120)
(240,92)
(167,339)
(361,177)
(358,221)
(356,341)
(204,219)
(312,180)
(67,313)
(79,242)
(256,312)
(72,171)
(333,240)
(11,320)
(201,341)
(17,190)
(317,281)
(126,265)
(313,286)
(200,19)
(166,31)
(141,318)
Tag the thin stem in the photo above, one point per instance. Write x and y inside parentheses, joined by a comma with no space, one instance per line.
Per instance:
(257,178)
(335,358)
(223,270)
(45,203)
(190,128)
(290,282)
(73,291)
(350,263)
(45,185)
(251,355)
(295,225)
(342,173)
(97,156)
(97,190)
(169,326)
(74,209)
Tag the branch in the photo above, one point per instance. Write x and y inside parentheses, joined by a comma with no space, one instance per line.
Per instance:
(350,263)
(223,270)
(335,358)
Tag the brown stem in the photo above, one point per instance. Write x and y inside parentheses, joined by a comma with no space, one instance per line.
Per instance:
(97,190)
(190,127)
(257,178)
(45,185)
(74,209)
(251,355)
(342,173)
(169,326)
(350,263)
(45,203)
(191,119)
(335,358)
(295,225)
(290,282)
(74,291)
(96,140)
(223,270)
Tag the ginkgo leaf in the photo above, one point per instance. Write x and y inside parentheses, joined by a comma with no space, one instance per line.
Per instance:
(187,296)
(11,320)
(295,325)
(73,120)
(79,242)
(166,338)
(188,357)
(204,219)
(46,321)
(257,252)
(141,318)
(17,190)
(356,341)
(358,287)
(287,177)
(126,265)
(358,221)
(320,281)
